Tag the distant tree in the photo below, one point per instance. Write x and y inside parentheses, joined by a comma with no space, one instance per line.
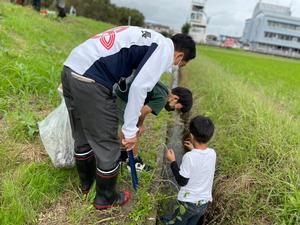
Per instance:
(100,10)
(95,9)
(166,34)
(212,37)
(122,14)
(137,18)
(105,11)
(186,28)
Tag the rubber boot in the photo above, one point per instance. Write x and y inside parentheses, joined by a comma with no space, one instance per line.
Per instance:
(86,167)
(106,194)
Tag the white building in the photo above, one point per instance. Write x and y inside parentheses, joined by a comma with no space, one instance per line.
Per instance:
(198,21)
(158,27)
(273,30)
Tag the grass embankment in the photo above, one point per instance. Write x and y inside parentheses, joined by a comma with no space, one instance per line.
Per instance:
(32,51)
(258,143)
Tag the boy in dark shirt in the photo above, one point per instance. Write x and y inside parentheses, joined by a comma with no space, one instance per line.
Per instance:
(160,97)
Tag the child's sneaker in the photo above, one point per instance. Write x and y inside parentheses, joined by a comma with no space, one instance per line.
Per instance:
(139,165)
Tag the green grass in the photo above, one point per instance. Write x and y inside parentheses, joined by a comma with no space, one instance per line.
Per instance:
(275,77)
(32,50)
(253,99)
(257,178)
(28,189)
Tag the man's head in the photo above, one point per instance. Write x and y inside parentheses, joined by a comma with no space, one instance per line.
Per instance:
(185,49)
(179,98)
(201,129)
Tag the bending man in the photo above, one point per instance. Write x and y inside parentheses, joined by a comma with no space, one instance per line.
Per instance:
(88,77)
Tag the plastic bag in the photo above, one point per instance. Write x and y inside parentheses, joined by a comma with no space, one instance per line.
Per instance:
(56,134)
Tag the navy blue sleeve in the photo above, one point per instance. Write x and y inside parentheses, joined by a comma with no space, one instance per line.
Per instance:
(182,181)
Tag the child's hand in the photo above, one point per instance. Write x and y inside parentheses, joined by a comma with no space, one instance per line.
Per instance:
(189,145)
(141,130)
(170,155)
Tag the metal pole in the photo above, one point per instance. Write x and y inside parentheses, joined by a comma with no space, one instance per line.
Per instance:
(134,178)
(129,20)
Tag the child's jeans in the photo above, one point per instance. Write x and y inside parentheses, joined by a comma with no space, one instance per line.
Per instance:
(191,216)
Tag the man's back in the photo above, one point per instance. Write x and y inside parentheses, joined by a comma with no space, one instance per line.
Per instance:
(115,53)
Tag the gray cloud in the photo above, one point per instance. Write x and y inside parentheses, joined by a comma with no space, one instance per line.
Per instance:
(226,17)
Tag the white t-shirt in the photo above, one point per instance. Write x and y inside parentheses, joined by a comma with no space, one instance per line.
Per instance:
(199,167)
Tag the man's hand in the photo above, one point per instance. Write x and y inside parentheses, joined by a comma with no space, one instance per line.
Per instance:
(170,155)
(188,145)
(129,143)
(141,130)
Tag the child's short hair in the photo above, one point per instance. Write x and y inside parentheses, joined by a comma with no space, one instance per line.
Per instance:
(202,128)
(185,98)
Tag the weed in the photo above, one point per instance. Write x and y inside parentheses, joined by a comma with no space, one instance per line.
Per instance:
(22,125)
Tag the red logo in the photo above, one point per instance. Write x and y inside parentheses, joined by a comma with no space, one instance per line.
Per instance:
(107,39)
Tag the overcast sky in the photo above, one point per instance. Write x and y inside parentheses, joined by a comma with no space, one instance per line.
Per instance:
(226,17)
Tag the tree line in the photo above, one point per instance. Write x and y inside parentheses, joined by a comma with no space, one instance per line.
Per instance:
(105,11)
(102,10)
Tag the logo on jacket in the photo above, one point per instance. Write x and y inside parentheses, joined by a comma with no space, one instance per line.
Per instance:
(146,34)
(107,39)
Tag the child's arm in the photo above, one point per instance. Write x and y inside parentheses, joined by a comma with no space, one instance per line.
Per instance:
(144,112)
(182,181)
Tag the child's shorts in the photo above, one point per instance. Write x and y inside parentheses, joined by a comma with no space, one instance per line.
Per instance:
(191,215)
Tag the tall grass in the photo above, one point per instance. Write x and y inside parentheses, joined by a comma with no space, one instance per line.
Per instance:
(32,50)
(257,179)
(28,189)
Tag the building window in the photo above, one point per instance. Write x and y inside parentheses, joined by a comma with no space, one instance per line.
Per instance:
(197,8)
(193,16)
(296,50)
(285,26)
(270,35)
(282,37)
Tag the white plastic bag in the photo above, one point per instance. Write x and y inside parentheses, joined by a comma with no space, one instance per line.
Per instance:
(56,134)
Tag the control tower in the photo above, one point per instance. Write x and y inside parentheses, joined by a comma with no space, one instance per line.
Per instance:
(198,21)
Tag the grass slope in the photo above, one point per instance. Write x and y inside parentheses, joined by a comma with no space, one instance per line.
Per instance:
(32,51)
(258,146)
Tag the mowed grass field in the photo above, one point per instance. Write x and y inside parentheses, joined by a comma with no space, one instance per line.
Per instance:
(32,51)
(254,102)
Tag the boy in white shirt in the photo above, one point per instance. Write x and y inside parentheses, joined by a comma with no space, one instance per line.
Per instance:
(196,172)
